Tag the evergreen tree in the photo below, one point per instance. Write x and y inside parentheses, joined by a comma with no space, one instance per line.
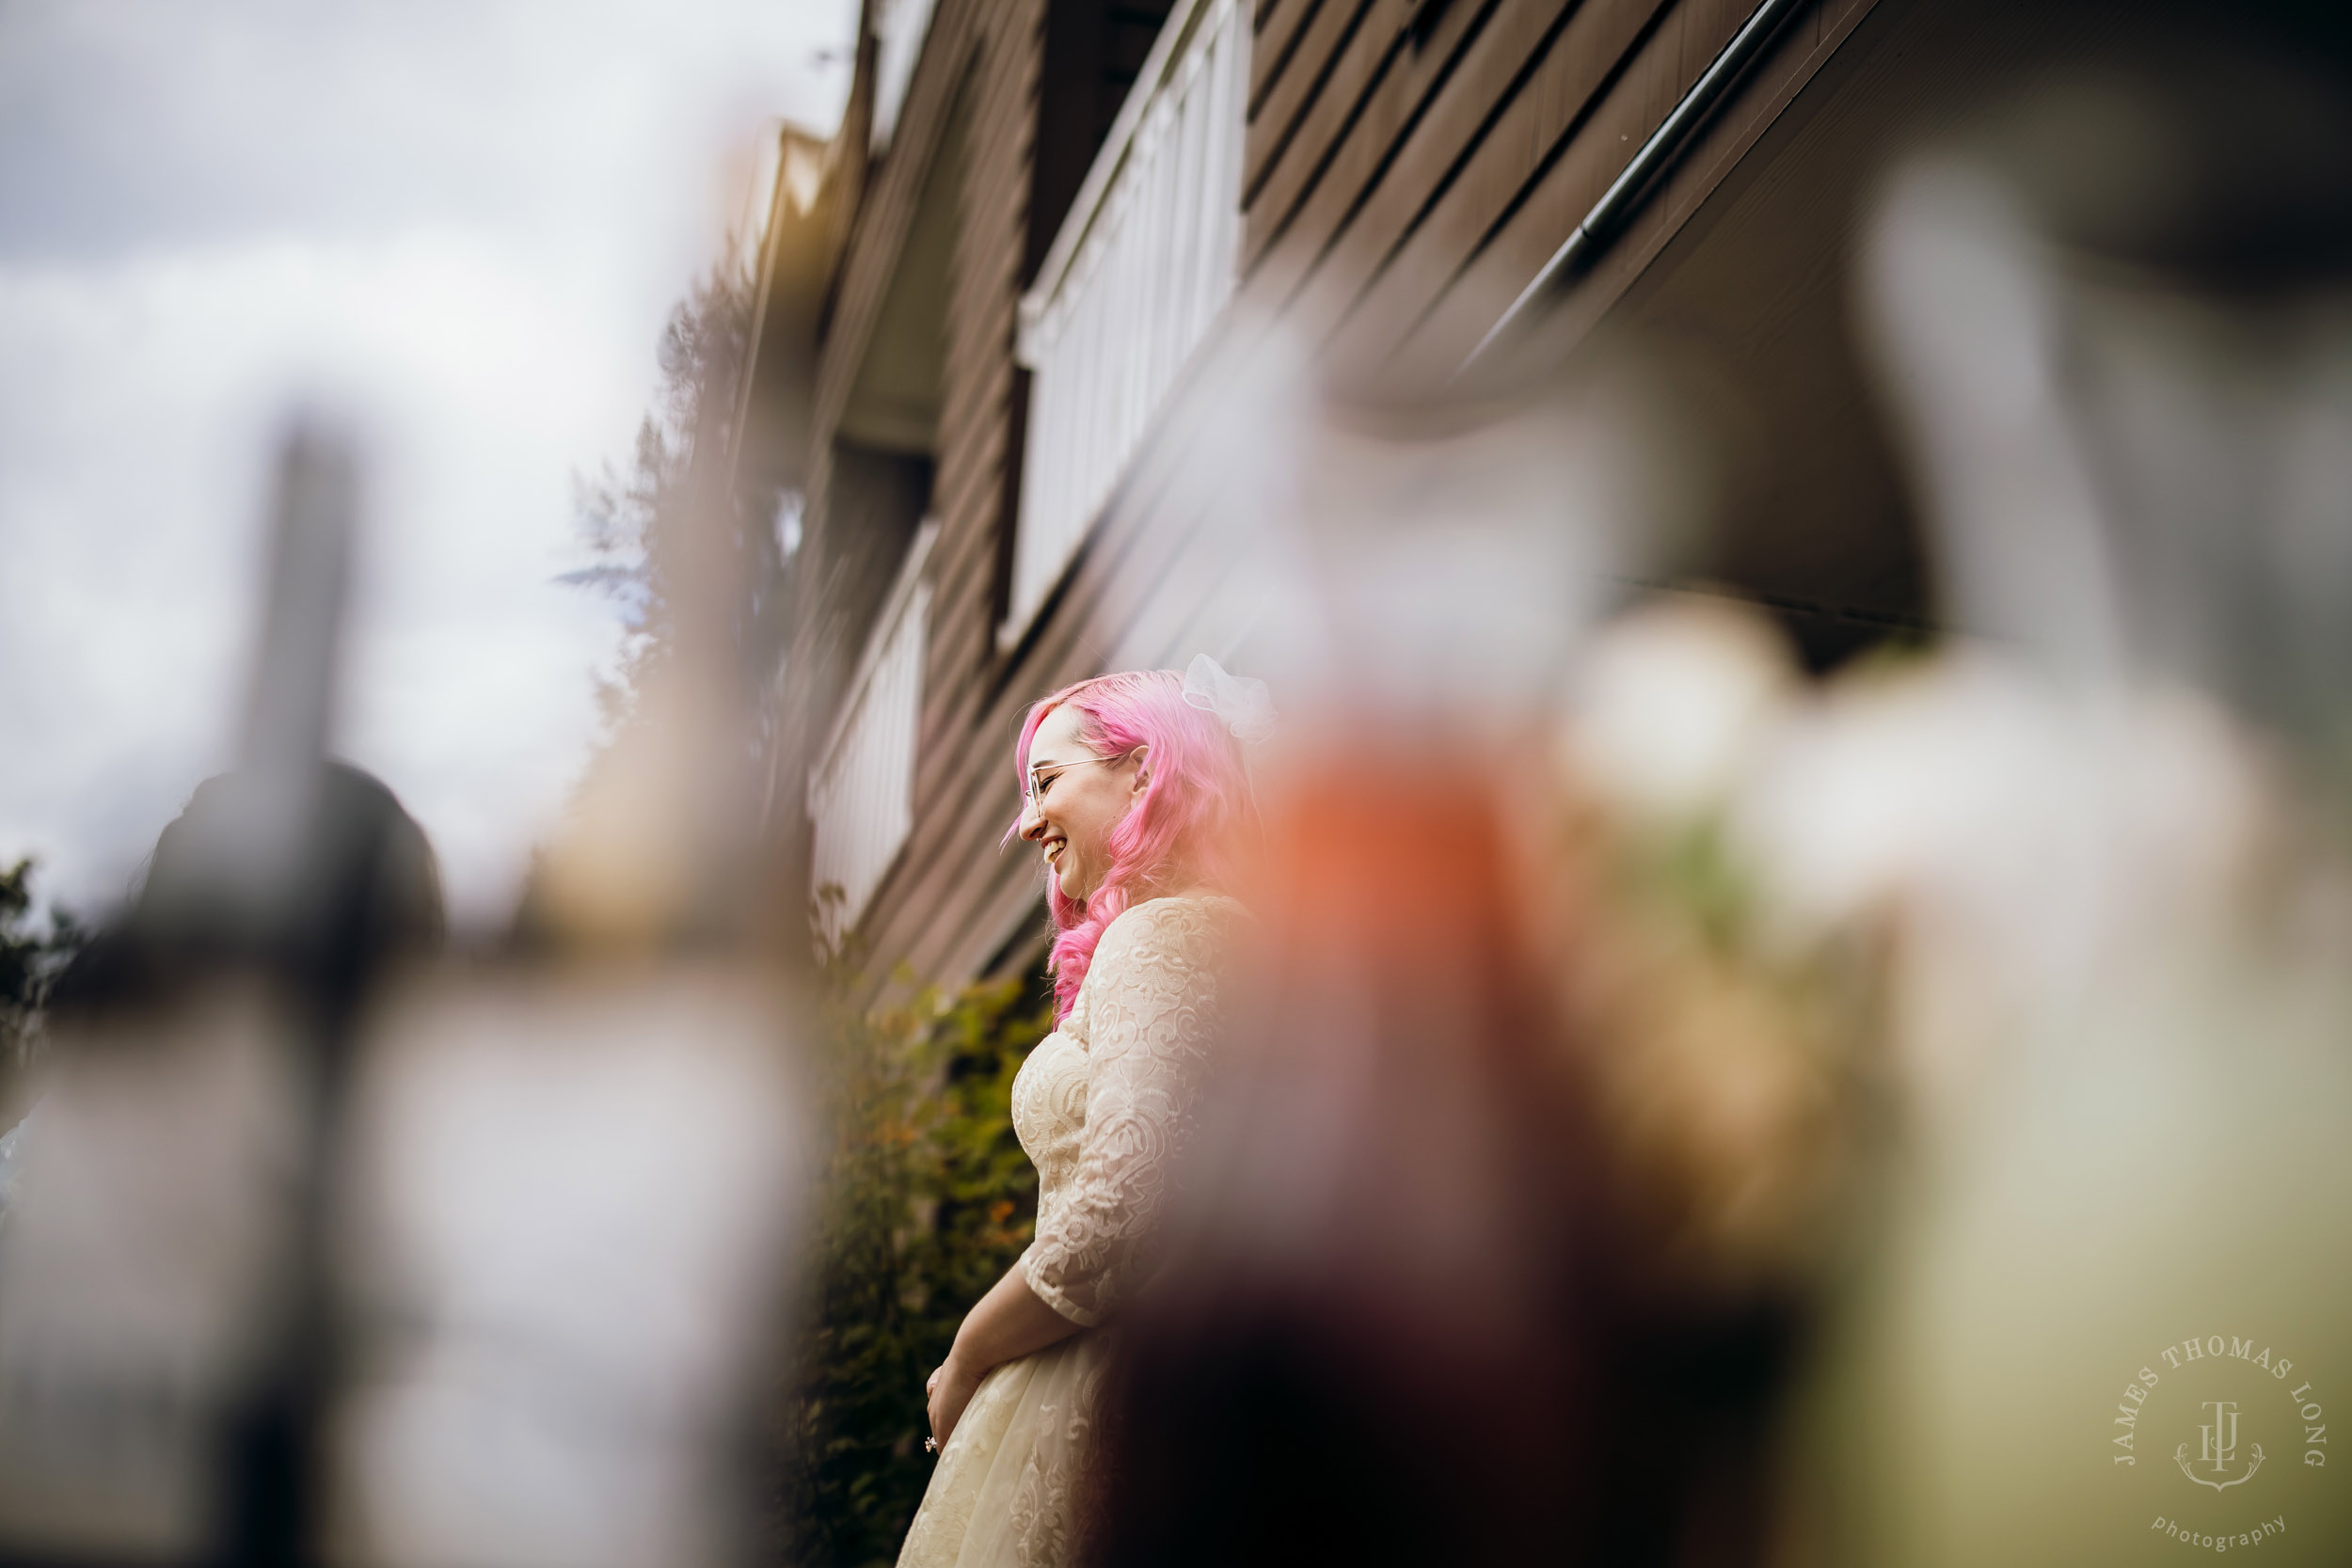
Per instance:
(631,523)
(30,958)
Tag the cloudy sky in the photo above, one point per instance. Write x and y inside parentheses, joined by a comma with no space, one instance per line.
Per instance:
(460,225)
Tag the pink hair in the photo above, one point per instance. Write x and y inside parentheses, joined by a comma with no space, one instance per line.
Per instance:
(1181,832)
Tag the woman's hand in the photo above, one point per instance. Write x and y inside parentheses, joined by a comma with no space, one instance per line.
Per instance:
(947,1393)
(1008,1324)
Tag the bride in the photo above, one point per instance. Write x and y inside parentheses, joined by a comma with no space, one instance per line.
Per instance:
(1133,787)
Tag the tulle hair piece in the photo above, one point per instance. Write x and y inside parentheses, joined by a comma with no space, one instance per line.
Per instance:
(1196,812)
(1244,706)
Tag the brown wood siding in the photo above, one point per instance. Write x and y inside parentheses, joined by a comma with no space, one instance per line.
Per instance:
(1403,189)
(1400,189)
(953,826)
(1364,119)
(1580,103)
(1429,113)
(1558,198)
(884,196)
(1282,103)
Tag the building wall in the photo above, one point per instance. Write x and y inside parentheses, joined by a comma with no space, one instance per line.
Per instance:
(1408,168)
(1407,180)
(1391,157)
(954,180)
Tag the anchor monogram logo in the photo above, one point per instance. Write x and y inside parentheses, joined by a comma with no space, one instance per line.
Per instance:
(2218,1448)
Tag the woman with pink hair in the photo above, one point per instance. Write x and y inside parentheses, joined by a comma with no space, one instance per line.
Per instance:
(1133,787)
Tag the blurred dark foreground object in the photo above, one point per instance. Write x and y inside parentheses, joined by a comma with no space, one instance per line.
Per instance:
(162,1358)
(1373,1342)
(1431,1306)
(367,895)
(1495,1244)
(164,1343)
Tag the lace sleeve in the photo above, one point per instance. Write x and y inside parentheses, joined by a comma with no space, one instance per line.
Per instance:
(1153,1008)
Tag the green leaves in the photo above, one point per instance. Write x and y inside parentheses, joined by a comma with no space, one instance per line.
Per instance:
(926,1201)
(30,959)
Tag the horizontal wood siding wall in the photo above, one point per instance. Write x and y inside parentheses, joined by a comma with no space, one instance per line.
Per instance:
(1399,189)
(946,878)
(883,201)
(1404,188)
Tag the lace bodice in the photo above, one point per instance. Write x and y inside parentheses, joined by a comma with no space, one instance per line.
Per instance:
(1104,1101)
(1101,1105)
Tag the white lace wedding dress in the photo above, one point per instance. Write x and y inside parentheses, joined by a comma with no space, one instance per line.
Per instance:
(1100,1105)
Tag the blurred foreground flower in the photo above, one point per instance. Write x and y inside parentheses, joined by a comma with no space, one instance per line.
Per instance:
(2109,1300)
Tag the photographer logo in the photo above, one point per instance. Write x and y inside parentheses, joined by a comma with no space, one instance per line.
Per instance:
(2219,1449)
(2224,1410)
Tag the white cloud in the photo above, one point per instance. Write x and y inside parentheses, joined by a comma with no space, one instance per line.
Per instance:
(462,227)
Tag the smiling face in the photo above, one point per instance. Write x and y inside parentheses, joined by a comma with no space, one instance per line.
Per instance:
(1076,797)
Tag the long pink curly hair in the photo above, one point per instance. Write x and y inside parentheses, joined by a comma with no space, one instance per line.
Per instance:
(1196,813)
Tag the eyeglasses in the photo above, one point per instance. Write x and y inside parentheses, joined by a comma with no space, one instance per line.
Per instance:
(1041,777)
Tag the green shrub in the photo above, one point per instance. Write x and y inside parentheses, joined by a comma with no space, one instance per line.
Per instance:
(925,1202)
